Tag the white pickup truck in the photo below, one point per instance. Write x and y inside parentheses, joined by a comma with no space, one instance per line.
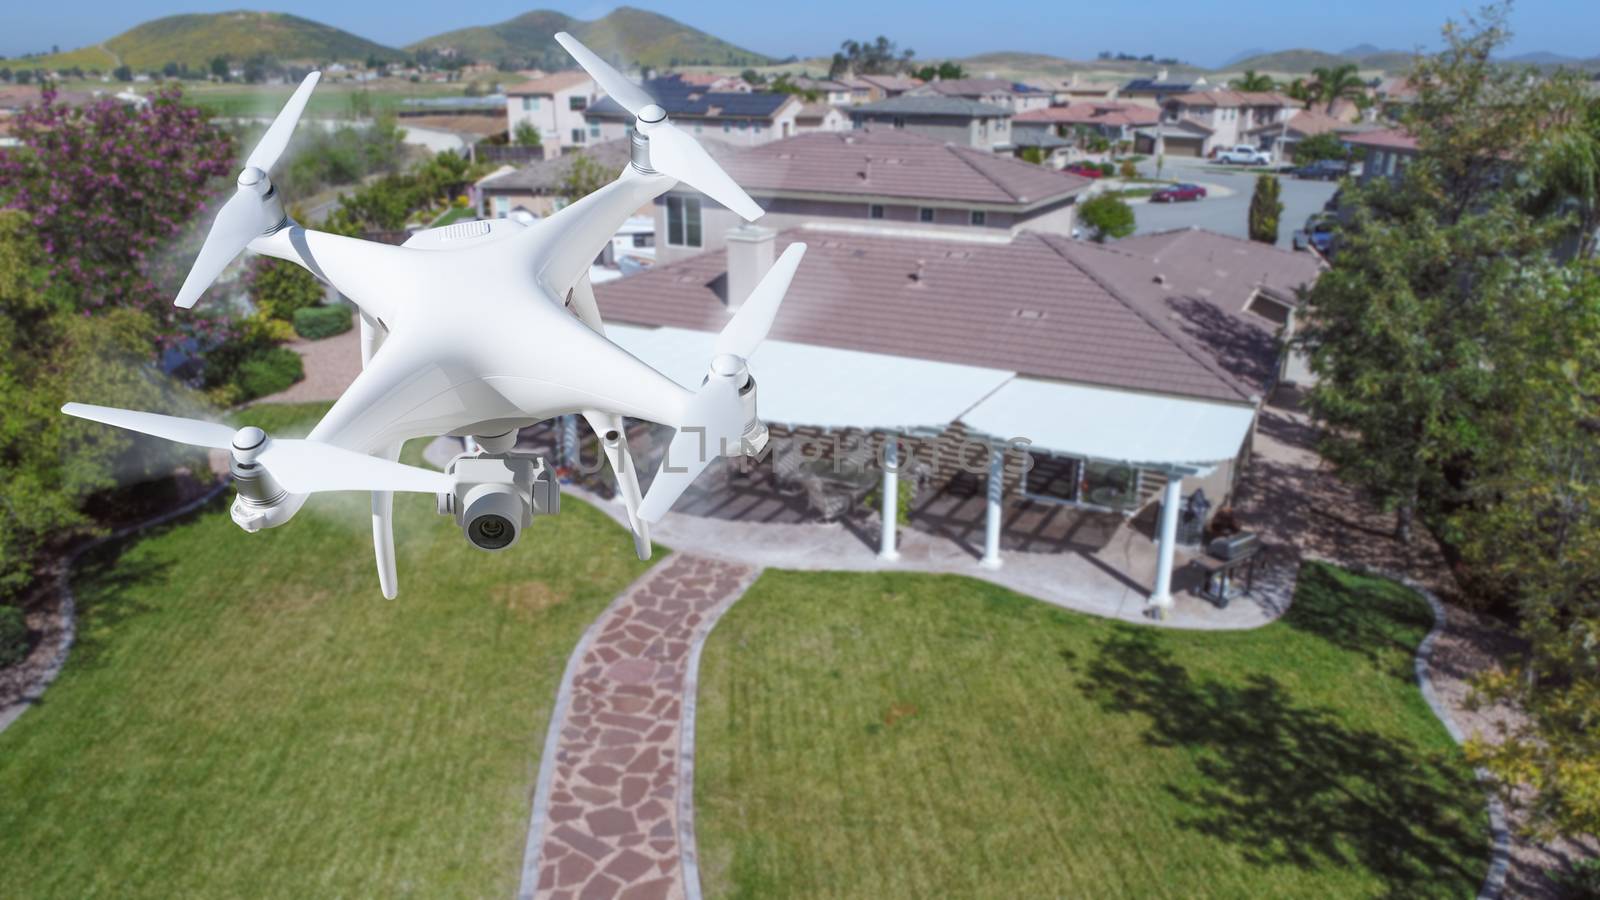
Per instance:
(1245,155)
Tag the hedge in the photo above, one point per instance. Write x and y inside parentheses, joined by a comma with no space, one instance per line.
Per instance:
(317,322)
(13,636)
(269,372)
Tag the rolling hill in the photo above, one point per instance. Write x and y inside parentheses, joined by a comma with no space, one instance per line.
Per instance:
(1036,65)
(1296,62)
(196,39)
(628,35)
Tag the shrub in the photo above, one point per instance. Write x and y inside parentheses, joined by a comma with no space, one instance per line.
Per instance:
(1265,207)
(269,372)
(1107,169)
(1128,169)
(317,322)
(1108,216)
(1581,880)
(13,636)
(280,288)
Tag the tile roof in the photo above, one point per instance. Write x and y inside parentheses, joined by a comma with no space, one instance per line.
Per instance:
(813,112)
(1151,84)
(907,104)
(549,84)
(1306,122)
(895,163)
(1094,113)
(968,87)
(1042,137)
(548,175)
(890,82)
(1385,139)
(1031,305)
(683,100)
(1233,98)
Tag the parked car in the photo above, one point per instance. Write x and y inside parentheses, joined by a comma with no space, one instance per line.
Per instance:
(1245,155)
(1085,170)
(1319,233)
(1322,170)
(1178,193)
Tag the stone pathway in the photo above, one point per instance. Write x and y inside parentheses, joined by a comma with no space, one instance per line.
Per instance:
(613,815)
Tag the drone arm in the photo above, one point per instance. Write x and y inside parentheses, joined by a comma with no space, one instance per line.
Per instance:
(367,272)
(568,242)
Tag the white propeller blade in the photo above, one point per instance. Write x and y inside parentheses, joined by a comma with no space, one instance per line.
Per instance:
(172,428)
(632,97)
(714,422)
(273,143)
(301,466)
(306,467)
(673,152)
(241,220)
(750,325)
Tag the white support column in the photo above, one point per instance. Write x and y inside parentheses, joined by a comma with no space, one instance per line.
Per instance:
(991,528)
(887,550)
(1166,543)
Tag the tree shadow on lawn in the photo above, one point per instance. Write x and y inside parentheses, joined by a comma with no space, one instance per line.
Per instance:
(102,583)
(1378,619)
(1293,784)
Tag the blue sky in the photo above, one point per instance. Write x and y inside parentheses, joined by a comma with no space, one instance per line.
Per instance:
(1207,33)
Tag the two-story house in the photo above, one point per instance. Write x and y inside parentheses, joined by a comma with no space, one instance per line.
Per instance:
(876,181)
(1198,123)
(1388,152)
(740,119)
(882,87)
(1153,92)
(953,119)
(1110,119)
(1019,98)
(836,91)
(555,106)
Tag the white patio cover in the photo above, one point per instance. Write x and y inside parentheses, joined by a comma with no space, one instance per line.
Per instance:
(1114,426)
(804,384)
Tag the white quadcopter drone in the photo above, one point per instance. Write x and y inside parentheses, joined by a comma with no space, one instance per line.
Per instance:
(476,330)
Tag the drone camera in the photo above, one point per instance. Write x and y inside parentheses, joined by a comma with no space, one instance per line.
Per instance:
(497,495)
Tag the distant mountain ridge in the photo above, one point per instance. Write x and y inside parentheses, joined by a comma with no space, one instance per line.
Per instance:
(195,39)
(627,35)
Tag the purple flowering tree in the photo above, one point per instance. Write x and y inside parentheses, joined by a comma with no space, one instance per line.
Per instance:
(111,188)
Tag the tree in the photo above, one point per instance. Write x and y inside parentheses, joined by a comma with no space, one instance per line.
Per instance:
(122,73)
(876,57)
(945,71)
(1108,217)
(1567,165)
(1265,208)
(1326,145)
(219,68)
(1330,83)
(279,288)
(1252,80)
(1299,90)
(526,135)
(584,177)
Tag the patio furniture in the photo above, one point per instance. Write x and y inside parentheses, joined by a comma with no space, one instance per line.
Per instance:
(834,490)
(1225,561)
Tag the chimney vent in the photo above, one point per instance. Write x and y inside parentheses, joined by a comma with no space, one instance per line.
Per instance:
(749,257)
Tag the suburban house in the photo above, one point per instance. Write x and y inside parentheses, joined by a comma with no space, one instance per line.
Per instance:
(882,87)
(1019,98)
(537,188)
(1153,92)
(713,83)
(1043,390)
(836,92)
(1077,89)
(952,119)
(820,117)
(1197,123)
(555,105)
(743,119)
(875,181)
(1110,119)
(1389,151)
(1282,137)
(1041,144)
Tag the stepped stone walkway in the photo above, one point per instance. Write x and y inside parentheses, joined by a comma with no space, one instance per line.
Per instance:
(613,813)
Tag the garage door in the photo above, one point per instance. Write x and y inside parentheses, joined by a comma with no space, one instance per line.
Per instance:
(1183,146)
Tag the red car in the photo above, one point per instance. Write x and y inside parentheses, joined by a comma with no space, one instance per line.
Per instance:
(1086,171)
(1178,192)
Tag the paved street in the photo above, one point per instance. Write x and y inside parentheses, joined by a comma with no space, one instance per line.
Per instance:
(1227,215)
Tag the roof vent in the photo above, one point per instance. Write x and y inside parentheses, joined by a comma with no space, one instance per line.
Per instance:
(1160,278)
(1030,313)
(830,244)
(957,254)
(917,274)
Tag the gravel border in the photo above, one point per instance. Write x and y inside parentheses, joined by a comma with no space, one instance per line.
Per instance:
(66,613)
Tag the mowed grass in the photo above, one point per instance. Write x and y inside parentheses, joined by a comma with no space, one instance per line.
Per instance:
(246,716)
(902,735)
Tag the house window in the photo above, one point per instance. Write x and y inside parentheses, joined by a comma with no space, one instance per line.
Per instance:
(577,135)
(502,207)
(594,132)
(925,214)
(683,221)
(899,122)
(727,127)
(1109,485)
(875,211)
(979,217)
(644,240)
(1052,479)
(1067,480)
(527,103)
(577,102)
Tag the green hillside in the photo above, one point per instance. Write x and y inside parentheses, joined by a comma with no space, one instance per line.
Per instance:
(1024,66)
(196,39)
(633,36)
(1297,62)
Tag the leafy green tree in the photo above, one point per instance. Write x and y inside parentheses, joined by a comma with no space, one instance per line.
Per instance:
(1567,165)
(876,57)
(526,135)
(1326,145)
(1252,80)
(584,177)
(1107,216)
(1034,155)
(280,288)
(945,71)
(1265,208)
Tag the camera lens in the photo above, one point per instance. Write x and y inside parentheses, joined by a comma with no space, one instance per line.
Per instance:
(491,532)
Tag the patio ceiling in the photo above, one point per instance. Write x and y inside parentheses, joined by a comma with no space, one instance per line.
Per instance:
(805,384)
(1148,430)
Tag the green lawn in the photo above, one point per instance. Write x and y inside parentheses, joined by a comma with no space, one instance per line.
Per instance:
(900,735)
(246,716)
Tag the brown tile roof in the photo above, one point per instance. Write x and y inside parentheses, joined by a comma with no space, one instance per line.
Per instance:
(1026,306)
(1385,139)
(813,112)
(1094,113)
(548,85)
(968,87)
(1233,98)
(890,82)
(895,163)
(1306,122)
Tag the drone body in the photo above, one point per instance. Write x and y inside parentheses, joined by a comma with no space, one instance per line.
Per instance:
(477,330)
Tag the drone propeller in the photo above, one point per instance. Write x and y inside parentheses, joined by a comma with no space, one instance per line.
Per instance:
(715,421)
(672,151)
(301,466)
(254,209)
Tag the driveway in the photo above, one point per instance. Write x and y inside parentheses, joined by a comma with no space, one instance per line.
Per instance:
(1227,214)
